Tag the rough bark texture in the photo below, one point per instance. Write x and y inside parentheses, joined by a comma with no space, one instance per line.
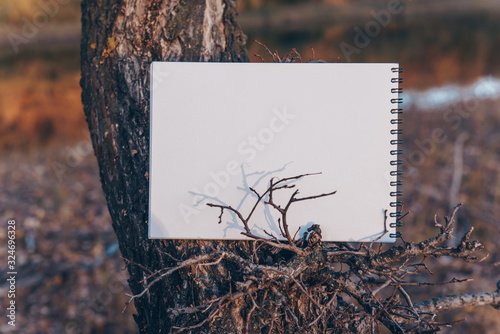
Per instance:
(229,287)
(120,39)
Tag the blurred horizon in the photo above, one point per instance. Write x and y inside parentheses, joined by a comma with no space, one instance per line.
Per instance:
(457,45)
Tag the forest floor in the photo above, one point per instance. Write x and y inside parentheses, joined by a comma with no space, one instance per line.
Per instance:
(70,276)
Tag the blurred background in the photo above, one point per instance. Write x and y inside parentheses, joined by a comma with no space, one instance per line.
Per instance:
(71,278)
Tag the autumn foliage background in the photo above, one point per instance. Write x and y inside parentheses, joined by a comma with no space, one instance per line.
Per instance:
(71,277)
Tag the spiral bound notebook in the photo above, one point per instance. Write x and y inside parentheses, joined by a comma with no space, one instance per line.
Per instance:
(221,131)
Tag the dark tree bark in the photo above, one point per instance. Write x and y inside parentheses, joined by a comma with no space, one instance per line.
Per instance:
(120,39)
(215,286)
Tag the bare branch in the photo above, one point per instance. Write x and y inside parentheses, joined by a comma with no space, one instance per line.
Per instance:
(428,247)
(291,248)
(440,304)
(184,264)
(313,197)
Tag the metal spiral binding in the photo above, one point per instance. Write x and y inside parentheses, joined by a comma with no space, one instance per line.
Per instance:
(397,153)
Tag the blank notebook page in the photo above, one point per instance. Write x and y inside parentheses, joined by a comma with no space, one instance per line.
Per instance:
(219,129)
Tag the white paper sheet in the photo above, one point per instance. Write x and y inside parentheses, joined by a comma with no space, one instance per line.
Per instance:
(219,128)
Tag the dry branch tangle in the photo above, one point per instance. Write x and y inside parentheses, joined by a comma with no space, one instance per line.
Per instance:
(307,292)
(276,185)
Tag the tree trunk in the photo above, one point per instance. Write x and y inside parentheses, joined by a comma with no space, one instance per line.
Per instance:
(120,39)
(301,286)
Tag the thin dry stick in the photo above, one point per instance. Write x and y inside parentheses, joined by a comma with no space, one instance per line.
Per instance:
(267,49)
(274,186)
(254,306)
(184,264)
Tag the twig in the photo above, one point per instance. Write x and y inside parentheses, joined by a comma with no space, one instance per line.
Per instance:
(184,264)
(267,49)
(458,301)
(385,230)
(282,223)
(254,306)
